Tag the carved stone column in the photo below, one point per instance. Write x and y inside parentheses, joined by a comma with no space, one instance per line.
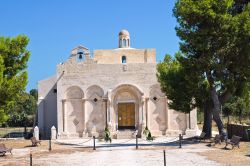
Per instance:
(105,102)
(146,111)
(140,114)
(64,115)
(84,116)
(109,109)
(108,112)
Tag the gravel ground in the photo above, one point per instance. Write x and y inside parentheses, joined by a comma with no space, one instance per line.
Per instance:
(119,153)
(127,158)
(123,152)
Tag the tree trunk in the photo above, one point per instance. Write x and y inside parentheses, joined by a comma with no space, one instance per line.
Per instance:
(227,119)
(240,115)
(216,113)
(216,106)
(207,126)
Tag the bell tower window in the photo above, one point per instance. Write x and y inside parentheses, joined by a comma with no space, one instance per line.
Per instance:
(80,55)
(120,43)
(124,59)
(124,42)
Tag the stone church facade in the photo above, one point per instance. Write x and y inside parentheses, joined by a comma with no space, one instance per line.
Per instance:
(114,88)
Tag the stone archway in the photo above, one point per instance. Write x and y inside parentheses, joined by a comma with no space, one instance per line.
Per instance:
(74,111)
(95,112)
(157,111)
(126,100)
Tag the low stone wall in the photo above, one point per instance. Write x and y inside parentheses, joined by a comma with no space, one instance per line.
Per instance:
(237,129)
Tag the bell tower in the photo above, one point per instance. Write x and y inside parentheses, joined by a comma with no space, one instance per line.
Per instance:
(124,39)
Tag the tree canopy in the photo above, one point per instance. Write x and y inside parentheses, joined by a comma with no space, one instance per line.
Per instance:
(22,112)
(185,91)
(215,37)
(215,41)
(13,75)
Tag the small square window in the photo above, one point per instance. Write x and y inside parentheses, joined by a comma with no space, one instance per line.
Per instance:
(55,90)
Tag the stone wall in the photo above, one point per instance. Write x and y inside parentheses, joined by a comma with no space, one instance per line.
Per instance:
(47,105)
(132,55)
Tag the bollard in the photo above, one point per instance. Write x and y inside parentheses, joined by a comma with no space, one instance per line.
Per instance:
(36,133)
(30,159)
(50,144)
(94,143)
(180,137)
(164,155)
(136,142)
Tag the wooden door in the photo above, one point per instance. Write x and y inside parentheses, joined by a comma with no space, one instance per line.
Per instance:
(126,116)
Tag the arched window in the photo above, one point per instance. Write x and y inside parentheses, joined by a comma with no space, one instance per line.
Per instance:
(124,43)
(128,43)
(80,55)
(120,43)
(124,59)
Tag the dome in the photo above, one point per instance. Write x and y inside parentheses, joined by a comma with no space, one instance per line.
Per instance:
(124,32)
(124,39)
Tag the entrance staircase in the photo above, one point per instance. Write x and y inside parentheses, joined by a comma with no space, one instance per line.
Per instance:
(126,134)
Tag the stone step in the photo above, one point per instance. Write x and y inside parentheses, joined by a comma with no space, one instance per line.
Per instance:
(126,134)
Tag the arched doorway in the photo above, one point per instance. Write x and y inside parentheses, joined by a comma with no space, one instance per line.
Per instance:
(126,101)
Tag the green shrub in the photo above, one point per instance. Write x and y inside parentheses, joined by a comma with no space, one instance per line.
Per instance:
(147,133)
(107,135)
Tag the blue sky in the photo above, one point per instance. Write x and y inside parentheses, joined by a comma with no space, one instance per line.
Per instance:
(57,26)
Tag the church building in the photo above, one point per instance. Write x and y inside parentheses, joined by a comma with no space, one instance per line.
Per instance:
(115,88)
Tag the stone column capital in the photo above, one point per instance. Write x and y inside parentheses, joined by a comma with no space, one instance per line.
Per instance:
(145,98)
(105,99)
